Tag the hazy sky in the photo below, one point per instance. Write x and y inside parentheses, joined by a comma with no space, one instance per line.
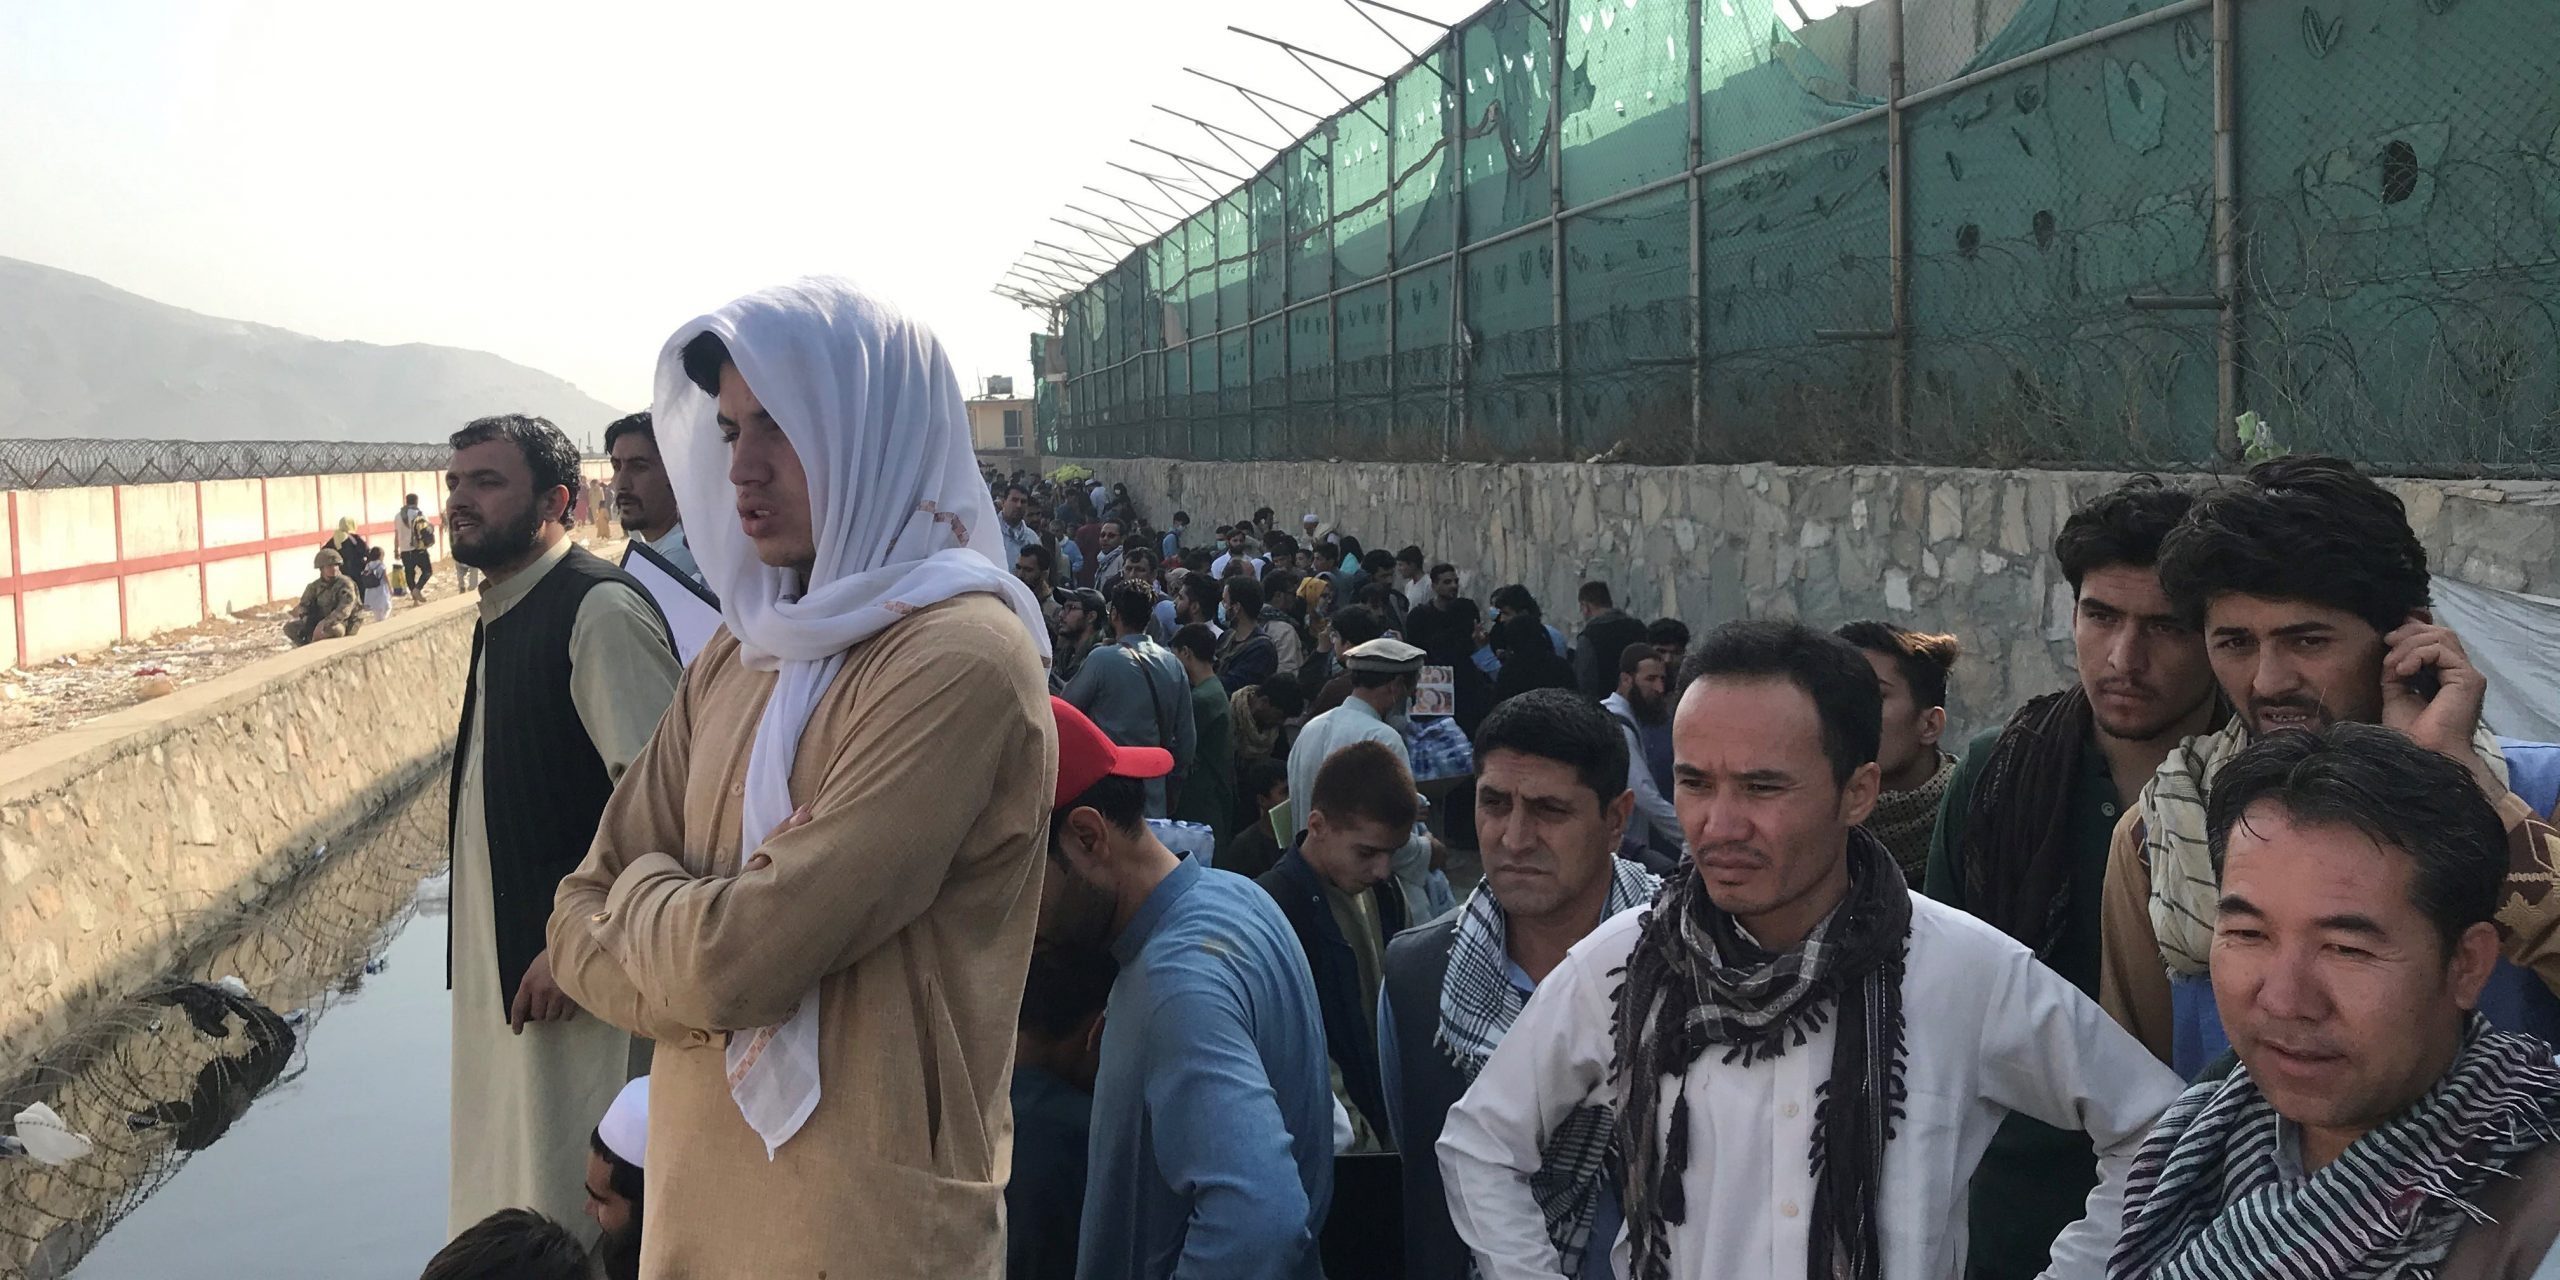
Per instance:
(565,183)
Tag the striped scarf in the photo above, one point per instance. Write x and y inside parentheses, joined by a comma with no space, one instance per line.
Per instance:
(1478,1004)
(1694,982)
(2183,885)
(2205,1200)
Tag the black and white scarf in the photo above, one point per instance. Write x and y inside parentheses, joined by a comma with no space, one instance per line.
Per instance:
(2205,1199)
(1478,1004)
(1695,983)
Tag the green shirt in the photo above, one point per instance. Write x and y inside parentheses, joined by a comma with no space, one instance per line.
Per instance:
(1209,791)
(2034,1179)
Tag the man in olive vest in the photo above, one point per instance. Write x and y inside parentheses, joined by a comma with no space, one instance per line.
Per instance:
(570,669)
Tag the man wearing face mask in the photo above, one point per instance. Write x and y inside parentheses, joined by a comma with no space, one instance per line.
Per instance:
(1212,1121)
(2311,591)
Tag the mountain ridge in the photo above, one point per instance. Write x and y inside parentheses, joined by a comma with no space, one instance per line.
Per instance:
(82,358)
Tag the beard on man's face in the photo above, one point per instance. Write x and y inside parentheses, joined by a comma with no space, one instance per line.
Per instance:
(619,1251)
(492,544)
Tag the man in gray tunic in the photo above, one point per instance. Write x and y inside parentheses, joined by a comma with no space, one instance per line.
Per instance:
(1134,690)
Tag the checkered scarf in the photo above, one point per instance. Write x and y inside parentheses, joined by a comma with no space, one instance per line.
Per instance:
(1478,1004)
(1695,983)
(2205,1201)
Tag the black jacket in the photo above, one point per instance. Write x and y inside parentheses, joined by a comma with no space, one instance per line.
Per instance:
(1595,656)
(1351,1035)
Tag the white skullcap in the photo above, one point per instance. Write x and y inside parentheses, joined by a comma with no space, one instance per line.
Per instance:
(625,1128)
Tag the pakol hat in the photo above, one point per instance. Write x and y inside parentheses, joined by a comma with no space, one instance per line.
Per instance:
(1086,755)
(1386,653)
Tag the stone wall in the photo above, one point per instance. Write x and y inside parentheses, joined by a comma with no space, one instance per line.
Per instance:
(1964,551)
(121,840)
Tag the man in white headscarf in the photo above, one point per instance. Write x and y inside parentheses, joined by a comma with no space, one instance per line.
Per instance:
(817,887)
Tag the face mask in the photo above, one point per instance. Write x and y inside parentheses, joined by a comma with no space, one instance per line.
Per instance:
(1222,616)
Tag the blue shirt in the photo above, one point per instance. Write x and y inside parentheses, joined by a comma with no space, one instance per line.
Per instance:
(1212,1153)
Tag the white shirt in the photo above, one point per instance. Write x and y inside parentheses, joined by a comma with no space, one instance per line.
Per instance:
(1990,1030)
(1218,567)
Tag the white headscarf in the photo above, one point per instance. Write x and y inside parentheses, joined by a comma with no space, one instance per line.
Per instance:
(901,519)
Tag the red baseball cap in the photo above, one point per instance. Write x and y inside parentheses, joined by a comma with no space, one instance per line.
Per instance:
(1086,755)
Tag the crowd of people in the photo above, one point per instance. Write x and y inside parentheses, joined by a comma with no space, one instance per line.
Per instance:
(1017,887)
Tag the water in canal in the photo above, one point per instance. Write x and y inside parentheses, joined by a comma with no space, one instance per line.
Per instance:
(297,1132)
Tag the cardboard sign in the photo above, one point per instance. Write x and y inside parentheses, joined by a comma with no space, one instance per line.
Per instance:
(1438,693)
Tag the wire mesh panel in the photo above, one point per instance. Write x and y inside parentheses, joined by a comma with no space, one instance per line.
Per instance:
(1425,164)
(2403,257)
(1627,333)
(1796,250)
(1506,70)
(1405,282)
(2042,202)
(1511,336)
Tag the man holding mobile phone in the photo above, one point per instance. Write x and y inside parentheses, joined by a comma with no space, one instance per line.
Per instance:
(2310,589)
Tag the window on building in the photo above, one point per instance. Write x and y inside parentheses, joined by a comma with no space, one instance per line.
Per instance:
(1013,428)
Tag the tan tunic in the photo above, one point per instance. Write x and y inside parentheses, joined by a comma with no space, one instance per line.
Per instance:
(908,900)
(523,1105)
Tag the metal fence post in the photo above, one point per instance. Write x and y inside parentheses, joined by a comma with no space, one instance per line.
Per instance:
(2226,234)
(1559,14)
(1457,371)
(1897,245)
(1697,237)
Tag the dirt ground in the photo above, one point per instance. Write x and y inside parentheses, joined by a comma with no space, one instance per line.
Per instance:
(72,691)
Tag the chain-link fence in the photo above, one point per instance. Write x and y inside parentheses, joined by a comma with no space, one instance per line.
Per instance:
(167,1072)
(2082,232)
(72,464)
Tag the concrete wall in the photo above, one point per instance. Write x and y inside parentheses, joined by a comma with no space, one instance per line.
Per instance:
(1944,549)
(83,568)
(121,839)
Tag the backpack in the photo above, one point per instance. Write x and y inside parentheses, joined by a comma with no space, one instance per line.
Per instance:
(426,535)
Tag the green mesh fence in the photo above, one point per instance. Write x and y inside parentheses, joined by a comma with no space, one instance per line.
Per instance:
(1663,230)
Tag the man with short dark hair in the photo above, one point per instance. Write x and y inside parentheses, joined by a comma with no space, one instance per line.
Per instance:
(571,668)
(1238,555)
(1212,1145)
(2311,591)
(1642,709)
(1450,628)
(643,498)
(1251,652)
(1255,847)
(1335,886)
(1911,667)
(1106,566)
(1806,1059)
(512,1244)
(1082,619)
(2376,1123)
(2023,828)
(1209,794)
(1410,581)
(1606,633)
(1670,637)
(1136,691)
(1057,1053)
(1016,531)
(1551,801)
(1172,546)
